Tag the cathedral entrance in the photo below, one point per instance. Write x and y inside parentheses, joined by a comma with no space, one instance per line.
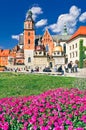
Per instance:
(50,65)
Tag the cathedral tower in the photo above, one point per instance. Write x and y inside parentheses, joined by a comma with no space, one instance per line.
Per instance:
(29,39)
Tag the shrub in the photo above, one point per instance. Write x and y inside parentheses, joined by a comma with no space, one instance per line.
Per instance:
(80,84)
(81,54)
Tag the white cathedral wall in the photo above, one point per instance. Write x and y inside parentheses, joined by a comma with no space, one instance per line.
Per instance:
(40,62)
(59,60)
(27,54)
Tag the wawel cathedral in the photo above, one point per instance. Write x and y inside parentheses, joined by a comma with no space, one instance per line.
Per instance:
(43,50)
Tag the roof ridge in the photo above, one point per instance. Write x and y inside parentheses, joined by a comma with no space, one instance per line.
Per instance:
(80,31)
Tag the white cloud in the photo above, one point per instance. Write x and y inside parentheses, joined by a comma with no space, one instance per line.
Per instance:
(36,10)
(82,18)
(15,37)
(75,11)
(1,47)
(70,19)
(42,22)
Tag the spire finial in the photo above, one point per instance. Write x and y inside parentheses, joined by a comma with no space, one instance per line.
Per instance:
(29,15)
(65,29)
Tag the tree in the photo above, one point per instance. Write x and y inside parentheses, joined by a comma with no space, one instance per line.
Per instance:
(81,54)
(84,49)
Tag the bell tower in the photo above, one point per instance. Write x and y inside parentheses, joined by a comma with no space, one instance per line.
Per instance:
(29,39)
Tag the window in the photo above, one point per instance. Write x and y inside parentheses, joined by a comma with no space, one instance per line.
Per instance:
(40,52)
(28,41)
(73,47)
(70,55)
(28,33)
(73,54)
(76,45)
(54,53)
(36,53)
(29,25)
(29,59)
(25,26)
(58,52)
(70,47)
(76,54)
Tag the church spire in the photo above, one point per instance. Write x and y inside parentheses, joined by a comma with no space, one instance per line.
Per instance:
(65,30)
(29,16)
(29,23)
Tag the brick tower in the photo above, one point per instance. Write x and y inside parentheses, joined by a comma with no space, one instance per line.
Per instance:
(29,39)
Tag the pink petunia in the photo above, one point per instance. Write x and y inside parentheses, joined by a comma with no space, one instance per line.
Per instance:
(5,126)
(68,122)
(83,118)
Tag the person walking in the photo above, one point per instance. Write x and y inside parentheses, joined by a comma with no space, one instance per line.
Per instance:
(70,67)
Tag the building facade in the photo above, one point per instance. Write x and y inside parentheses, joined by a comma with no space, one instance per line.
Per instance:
(44,50)
(73,45)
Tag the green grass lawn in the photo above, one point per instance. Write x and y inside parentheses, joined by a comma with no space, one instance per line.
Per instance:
(14,84)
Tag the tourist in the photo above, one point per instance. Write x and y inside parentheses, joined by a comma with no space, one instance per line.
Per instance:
(37,69)
(61,70)
(70,66)
(75,67)
(55,68)
(66,68)
(32,70)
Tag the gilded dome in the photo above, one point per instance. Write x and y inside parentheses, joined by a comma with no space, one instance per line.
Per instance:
(58,48)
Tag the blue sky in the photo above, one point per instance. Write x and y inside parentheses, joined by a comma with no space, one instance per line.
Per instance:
(52,14)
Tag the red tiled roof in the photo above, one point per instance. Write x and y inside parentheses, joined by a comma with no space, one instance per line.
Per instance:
(4,52)
(80,31)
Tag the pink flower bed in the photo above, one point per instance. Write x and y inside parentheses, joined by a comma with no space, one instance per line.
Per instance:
(59,109)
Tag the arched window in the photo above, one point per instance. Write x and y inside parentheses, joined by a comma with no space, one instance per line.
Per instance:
(28,25)
(58,53)
(29,59)
(28,41)
(28,33)
(40,52)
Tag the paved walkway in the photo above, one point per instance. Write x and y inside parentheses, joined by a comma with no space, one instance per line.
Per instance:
(81,73)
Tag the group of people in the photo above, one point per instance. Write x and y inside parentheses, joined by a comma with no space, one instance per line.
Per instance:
(71,67)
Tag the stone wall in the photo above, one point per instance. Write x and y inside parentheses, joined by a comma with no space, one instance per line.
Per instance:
(40,62)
